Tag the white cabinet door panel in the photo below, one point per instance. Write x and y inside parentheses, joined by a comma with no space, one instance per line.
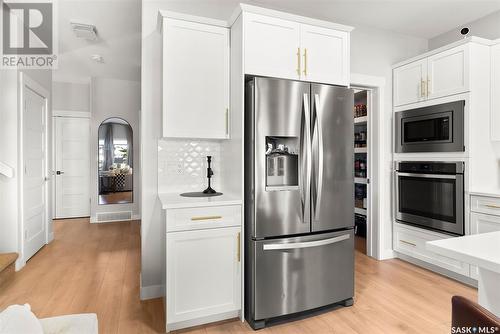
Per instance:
(481,223)
(271,46)
(447,72)
(409,83)
(203,273)
(195,80)
(325,55)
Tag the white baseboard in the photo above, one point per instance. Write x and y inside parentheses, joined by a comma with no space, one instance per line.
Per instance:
(387,254)
(20,263)
(445,272)
(152,291)
(93,220)
(50,238)
(203,320)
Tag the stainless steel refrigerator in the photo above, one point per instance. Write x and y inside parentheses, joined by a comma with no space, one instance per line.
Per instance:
(299,201)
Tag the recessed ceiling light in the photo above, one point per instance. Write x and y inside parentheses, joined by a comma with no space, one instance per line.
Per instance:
(97,58)
(86,31)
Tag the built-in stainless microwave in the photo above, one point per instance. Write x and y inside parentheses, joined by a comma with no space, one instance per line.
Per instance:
(437,128)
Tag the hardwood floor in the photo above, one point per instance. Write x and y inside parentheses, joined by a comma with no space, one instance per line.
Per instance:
(95,268)
(88,268)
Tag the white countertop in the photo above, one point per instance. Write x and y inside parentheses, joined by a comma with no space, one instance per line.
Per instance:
(482,250)
(176,201)
(486,192)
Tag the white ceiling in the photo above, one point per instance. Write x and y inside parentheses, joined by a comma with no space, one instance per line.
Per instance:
(118,25)
(419,18)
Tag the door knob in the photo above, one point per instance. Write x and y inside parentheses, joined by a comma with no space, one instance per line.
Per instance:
(59,172)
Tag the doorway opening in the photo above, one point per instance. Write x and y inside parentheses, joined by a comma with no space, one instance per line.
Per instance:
(361,167)
(367,114)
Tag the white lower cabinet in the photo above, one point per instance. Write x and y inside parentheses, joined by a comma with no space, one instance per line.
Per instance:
(411,242)
(483,223)
(203,275)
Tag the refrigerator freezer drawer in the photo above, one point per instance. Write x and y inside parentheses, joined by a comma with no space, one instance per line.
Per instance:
(302,273)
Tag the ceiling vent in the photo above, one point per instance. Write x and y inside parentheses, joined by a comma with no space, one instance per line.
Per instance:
(86,31)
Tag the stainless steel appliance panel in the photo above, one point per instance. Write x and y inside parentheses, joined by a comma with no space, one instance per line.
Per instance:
(332,189)
(281,109)
(302,273)
(437,128)
(430,197)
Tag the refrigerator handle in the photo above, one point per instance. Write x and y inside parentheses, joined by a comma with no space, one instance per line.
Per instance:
(319,172)
(305,151)
(306,244)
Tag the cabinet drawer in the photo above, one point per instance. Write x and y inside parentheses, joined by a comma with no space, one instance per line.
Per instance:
(203,218)
(483,204)
(412,243)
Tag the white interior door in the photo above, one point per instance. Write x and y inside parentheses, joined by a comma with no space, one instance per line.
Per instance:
(35,173)
(72,160)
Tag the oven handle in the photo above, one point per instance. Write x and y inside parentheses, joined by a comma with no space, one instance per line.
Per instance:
(428,176)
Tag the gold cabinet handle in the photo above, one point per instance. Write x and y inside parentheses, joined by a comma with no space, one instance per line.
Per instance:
(408,243)
(238,249)
(492,206)
(428,86)
(205,218)
(305,62)
(298,62)
(422,88)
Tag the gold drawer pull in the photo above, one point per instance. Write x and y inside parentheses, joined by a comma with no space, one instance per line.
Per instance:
(422,88)
(492,206)
(205,218)
(408,243)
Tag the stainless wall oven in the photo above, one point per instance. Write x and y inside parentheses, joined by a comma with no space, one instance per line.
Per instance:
(431,195)
(438,128)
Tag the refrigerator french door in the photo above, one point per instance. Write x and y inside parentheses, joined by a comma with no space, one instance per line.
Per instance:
(299,208)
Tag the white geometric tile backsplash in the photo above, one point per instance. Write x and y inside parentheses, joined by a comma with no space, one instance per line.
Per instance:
(182,164)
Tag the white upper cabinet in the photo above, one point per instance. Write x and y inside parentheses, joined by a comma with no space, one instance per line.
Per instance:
(447,72)
(325,55)
(409,84)
(287,49)
(442,74)
(495,92)
(272,47)
(195,80)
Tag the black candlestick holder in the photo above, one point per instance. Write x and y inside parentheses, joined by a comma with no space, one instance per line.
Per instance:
(210,173)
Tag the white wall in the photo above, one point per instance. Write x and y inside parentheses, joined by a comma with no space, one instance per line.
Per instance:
(152,226)
(486,27)
(9,154)
(373,52)
(71,96)
(115,98)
